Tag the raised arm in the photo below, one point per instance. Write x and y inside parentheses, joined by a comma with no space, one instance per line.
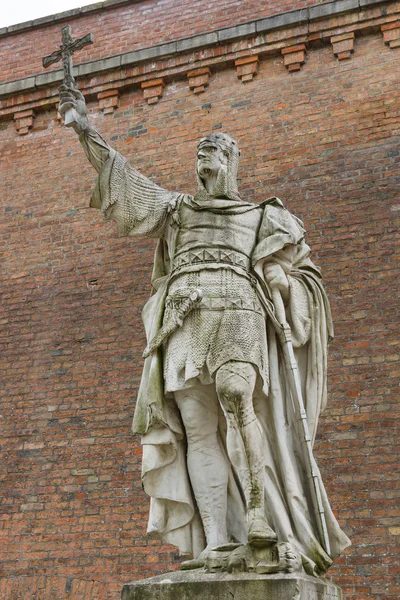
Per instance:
(95,147)
(137,205)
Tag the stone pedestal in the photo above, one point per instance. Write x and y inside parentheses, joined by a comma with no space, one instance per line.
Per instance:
(199,585)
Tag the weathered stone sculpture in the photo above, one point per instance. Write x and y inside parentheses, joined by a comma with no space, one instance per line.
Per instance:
(237,331)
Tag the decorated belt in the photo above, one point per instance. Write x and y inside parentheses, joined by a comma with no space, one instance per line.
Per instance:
(179,304)
(175,300)
(213,255)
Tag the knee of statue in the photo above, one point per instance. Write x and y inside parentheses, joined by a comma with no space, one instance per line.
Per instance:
(233,391)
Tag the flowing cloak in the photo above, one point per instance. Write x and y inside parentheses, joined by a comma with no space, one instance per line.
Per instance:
(141,208)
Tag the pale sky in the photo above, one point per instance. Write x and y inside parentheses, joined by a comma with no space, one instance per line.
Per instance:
(18,11)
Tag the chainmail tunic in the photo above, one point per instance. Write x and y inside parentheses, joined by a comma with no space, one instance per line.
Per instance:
(230,323)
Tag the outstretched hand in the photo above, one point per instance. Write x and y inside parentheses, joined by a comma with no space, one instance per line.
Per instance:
(72,99)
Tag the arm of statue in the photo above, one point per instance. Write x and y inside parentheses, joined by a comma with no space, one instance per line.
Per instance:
(277,259)
(136,204)
(276,272)
(95,147)
(279,275)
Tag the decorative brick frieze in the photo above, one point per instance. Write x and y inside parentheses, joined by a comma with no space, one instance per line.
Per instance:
(391,34)
(199,80)
(153,90)
(108,101)
(343,45)
(148,68)
(294,57)
(247,68)
(24,121)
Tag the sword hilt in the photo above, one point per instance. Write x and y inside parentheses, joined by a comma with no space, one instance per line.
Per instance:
(279,306)
(166,330)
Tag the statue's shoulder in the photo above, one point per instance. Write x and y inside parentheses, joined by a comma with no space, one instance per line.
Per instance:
(273,201)
(276,215)
(274,206)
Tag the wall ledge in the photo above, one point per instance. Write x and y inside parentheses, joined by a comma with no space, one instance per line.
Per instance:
(271,35)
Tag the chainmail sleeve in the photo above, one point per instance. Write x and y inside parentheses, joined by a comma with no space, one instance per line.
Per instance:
(138,206)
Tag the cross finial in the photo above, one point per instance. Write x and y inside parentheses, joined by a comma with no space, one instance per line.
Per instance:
(68,47)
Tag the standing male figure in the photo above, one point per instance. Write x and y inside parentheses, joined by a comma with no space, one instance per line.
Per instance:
(222,458)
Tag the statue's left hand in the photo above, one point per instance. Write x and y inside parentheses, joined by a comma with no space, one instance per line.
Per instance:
(276,277)
(72,98)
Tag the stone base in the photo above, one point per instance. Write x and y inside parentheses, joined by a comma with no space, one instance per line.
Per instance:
(199,585)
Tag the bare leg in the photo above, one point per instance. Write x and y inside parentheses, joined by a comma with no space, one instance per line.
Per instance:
(235,383)
(206,464)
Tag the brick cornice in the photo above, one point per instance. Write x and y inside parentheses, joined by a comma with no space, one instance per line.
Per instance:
(307,14)
(272,35)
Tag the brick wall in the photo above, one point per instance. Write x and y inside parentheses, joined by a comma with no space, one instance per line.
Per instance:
(324,139)
(132,26)
(56,588)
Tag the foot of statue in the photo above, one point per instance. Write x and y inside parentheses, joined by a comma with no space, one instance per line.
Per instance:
(196,563)
(245,558)
(201,560)
(241,560)
(260,533)
(214,558)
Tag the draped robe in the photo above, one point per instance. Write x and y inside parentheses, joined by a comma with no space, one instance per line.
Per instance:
(141,208)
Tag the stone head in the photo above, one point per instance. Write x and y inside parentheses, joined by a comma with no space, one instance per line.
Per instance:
(218,159)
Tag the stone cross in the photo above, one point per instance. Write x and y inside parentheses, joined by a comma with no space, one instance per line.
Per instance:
(68,47)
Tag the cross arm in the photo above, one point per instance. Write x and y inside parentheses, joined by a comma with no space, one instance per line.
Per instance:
(69,49)
(52,58)
(78,44)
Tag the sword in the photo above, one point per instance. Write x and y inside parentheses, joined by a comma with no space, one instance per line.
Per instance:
(285,337)
(176,320)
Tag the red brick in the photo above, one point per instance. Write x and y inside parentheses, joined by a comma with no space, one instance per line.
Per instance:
(326,142)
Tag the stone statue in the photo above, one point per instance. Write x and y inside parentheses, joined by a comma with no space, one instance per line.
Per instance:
(223,449)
